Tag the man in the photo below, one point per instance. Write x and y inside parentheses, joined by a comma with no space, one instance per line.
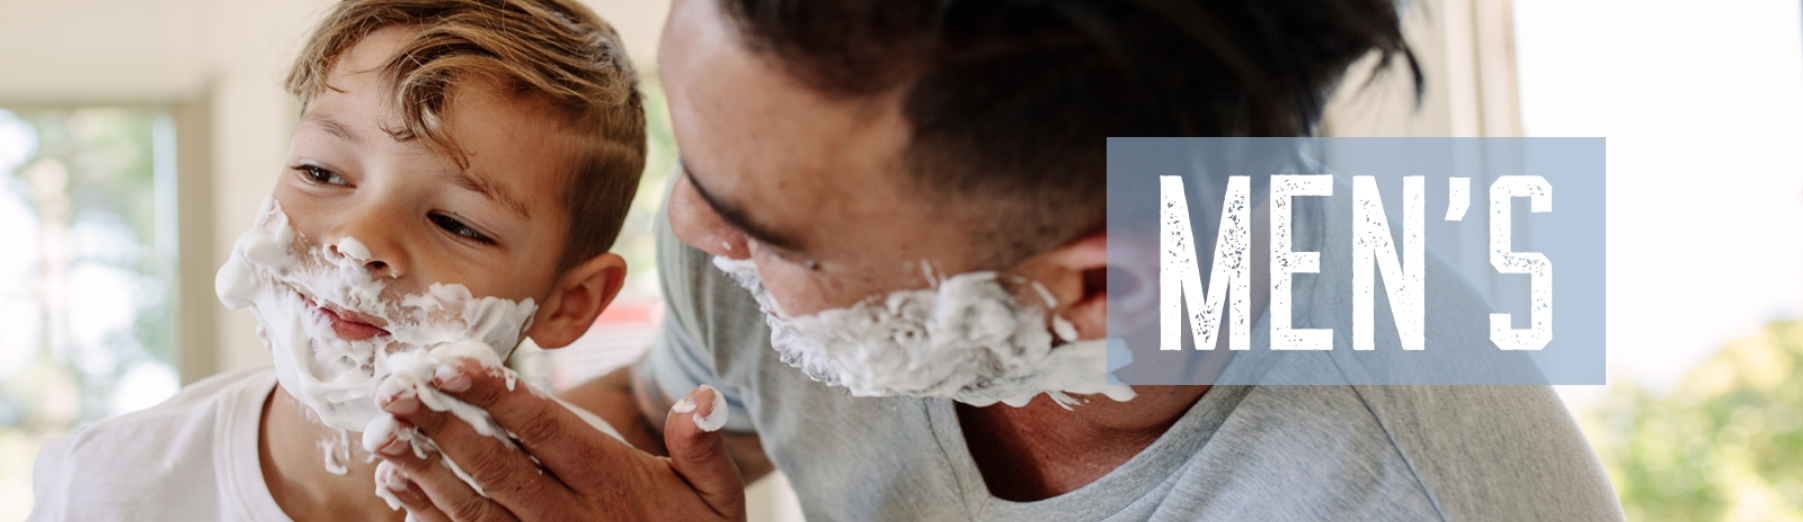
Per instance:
(842,156)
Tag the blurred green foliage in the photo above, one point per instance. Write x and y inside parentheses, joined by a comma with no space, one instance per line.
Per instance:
(636,243)
(86,280)
(93,254)
(1725,444)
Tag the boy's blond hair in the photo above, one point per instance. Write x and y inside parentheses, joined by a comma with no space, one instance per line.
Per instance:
(556,51)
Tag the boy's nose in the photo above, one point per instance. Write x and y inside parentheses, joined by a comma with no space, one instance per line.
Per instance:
(695,222)
(381,269)
(372,246)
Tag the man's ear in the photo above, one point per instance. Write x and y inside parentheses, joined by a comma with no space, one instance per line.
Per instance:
(579,297)
(1077,276)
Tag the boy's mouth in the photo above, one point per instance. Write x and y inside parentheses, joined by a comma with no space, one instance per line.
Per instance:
(350,326)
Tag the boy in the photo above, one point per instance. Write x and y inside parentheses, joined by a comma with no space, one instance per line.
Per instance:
(488,147)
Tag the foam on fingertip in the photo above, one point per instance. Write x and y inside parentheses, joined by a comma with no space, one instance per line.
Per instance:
(388,481)
(685,405)
(378,432)
(716,418)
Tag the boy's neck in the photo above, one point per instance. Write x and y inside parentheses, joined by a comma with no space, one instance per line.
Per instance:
(294,467)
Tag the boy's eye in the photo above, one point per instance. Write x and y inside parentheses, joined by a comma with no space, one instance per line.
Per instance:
(455,227)
(323,176)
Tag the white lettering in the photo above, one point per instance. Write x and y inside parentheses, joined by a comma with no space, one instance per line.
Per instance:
(1535,264)
(1180,278)
(1402,279)
(1284,263)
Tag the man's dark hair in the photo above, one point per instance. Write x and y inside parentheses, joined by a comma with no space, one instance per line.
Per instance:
(1011,100)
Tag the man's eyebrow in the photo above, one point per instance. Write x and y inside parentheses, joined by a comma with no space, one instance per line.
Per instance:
(470,181)
(735,216)
(331,126)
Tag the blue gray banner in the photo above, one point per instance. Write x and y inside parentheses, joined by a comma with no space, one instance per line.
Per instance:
(1356,260)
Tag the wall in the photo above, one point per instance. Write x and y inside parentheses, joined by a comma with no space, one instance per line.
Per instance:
(1466,49)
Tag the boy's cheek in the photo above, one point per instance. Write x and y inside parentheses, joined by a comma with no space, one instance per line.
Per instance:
(300,209)
(511,277)
(501,279)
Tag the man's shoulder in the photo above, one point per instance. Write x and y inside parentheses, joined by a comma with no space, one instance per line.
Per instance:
(1409,409)
(1489,450)
(1293,452)
(138,462)
(1473,451)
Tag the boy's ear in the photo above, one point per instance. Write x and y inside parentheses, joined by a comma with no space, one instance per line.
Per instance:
(579,297)
(1076,274)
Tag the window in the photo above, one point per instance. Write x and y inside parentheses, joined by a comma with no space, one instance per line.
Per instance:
(87,275)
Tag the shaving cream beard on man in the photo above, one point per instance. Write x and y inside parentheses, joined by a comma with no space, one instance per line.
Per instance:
(286,280)
(966,339)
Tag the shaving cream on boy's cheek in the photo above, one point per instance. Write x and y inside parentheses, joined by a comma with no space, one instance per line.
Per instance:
(285,279)
(966,338)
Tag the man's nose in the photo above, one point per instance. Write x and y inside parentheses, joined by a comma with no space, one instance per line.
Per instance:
(369,236)
(694,222)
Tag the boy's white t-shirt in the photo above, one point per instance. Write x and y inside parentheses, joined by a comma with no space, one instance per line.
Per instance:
(191,458)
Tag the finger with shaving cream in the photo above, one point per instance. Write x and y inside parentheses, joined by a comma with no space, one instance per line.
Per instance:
(716,415)
(390,482)
(413,377)
(412,374)
(409,439)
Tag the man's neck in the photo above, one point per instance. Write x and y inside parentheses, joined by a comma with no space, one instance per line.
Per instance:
(294,467)
(1043,450)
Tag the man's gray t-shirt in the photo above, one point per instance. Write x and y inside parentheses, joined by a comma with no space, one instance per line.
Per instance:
(1239,453)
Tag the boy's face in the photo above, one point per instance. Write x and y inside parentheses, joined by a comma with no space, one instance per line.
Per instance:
(496,227)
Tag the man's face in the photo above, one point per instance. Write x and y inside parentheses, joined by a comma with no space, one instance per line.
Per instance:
(495,227)
(812,189)
(815,193)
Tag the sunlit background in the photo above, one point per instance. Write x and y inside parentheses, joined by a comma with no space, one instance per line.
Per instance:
(1700,104)
(138,136)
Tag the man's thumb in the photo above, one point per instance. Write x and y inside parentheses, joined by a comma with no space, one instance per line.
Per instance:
(698,452)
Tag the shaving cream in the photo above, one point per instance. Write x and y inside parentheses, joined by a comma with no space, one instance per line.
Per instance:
(966,338)
(285,279)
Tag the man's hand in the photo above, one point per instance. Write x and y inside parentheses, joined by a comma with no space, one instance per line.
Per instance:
(580,473)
